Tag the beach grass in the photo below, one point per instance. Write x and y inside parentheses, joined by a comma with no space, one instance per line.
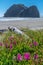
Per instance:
(15,49)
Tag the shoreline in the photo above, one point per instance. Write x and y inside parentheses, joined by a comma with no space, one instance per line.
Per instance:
(31,23)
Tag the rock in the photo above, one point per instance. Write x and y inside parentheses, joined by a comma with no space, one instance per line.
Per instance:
(20,10)
(30,12)
(14,10)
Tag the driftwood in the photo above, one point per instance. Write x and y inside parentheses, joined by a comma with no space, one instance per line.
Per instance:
(17,31)
(14,29)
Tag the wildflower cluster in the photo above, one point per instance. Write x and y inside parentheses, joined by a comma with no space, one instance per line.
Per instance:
(15,49)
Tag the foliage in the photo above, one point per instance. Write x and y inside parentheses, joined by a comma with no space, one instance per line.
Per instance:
(17,50)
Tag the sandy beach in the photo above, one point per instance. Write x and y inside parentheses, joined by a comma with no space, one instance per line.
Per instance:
(31,23)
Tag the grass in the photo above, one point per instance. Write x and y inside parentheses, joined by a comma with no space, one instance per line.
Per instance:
(13,44)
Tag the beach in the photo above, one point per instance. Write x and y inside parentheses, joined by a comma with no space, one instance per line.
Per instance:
(31,23)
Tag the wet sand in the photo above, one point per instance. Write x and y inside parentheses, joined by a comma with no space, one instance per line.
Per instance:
(31,23)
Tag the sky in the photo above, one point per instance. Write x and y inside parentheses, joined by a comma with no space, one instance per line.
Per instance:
(5,4)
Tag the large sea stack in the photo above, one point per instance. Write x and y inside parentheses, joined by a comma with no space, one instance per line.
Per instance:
(19,10)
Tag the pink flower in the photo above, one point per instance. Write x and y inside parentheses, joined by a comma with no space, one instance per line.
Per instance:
(11,46)
(6,45)
(36,56)
(35,43)
(19,57)
(0,44)
(31,45)
(11,38)
(27,56)
(14,42)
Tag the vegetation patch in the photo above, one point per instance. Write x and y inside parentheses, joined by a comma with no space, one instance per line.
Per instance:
(15,49)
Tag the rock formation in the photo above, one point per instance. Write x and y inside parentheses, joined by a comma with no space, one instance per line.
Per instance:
(19,10)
